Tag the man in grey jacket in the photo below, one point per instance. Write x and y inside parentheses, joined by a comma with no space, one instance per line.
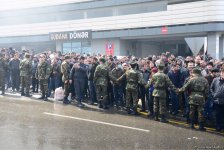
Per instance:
(217,91)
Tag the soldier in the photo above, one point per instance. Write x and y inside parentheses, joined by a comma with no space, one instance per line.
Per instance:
(199,88)
(3,67)
(160,81)
(117,72)
(25,74)
(101,77)
(42,74)
(133,78)
(65,70)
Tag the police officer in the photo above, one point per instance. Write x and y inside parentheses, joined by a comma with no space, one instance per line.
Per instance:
(25,74)
(42,74)
(101,78)
(3,67)
(65,70)
(199,88)
(133,78)
(160,81)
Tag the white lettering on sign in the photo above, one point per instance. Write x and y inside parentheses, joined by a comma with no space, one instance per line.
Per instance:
(59,36)
(79,35)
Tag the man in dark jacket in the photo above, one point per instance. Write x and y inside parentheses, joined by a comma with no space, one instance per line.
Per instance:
(79,75)
(92,89)
(217,91)
(14,68)
(176,78)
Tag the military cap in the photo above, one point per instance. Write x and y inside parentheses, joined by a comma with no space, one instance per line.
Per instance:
(27,55)
(67,57)
(103,60)
(133,63)
(196,71)
(161,65)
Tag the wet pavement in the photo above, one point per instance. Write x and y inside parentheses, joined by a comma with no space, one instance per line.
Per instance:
(34,124)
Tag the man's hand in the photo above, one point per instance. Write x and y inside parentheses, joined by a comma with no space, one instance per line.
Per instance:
(66,81)
(70,81)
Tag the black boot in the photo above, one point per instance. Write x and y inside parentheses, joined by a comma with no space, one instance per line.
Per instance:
(192,125)
(42,96)
(156,116)
(163,119)
(28,95)
(128,110)
(201,126)
(134,112)
(22,92)
(46,96)
(100,104)
(3,91)
(66,101)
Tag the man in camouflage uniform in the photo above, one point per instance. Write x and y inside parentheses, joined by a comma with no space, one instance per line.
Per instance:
(199,88)
(101,77)
(3,67)
(25,74)
(42,74)
(160,82)
(117,72)
(65,70)
(133,78)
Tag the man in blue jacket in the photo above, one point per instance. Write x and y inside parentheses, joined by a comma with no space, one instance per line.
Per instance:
(217,91)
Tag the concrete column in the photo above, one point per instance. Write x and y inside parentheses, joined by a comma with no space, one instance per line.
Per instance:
(221,46)
(213,45)
(59,46)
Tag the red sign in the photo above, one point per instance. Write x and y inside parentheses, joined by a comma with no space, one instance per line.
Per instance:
(164,30)
(109,49)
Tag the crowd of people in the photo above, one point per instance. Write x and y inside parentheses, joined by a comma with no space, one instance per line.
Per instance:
(191,86)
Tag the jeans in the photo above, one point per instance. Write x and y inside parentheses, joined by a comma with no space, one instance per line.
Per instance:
(79,85)
(92,92)
(219,111)
(174,101)
(53,84)
(150,103)
(118,95)
(208,107)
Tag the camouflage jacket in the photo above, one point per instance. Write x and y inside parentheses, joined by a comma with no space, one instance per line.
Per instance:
(3,65)
(117,73)
(43,70)
(65,70)
(101,75)
(25,67)
(199,88)
(133,78)
(161,82)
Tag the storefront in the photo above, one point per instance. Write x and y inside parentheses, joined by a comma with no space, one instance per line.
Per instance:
(73,41)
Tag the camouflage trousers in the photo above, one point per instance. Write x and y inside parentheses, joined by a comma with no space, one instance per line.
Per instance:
(2,81)
(101,94)
(43,83)
(66,89)
(25,84)
(193,110)
(159,105)
(131,94)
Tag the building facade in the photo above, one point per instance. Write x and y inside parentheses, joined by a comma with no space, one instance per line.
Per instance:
(119,27)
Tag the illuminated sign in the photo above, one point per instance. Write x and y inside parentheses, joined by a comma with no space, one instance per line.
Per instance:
(164,30)
(71,35)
